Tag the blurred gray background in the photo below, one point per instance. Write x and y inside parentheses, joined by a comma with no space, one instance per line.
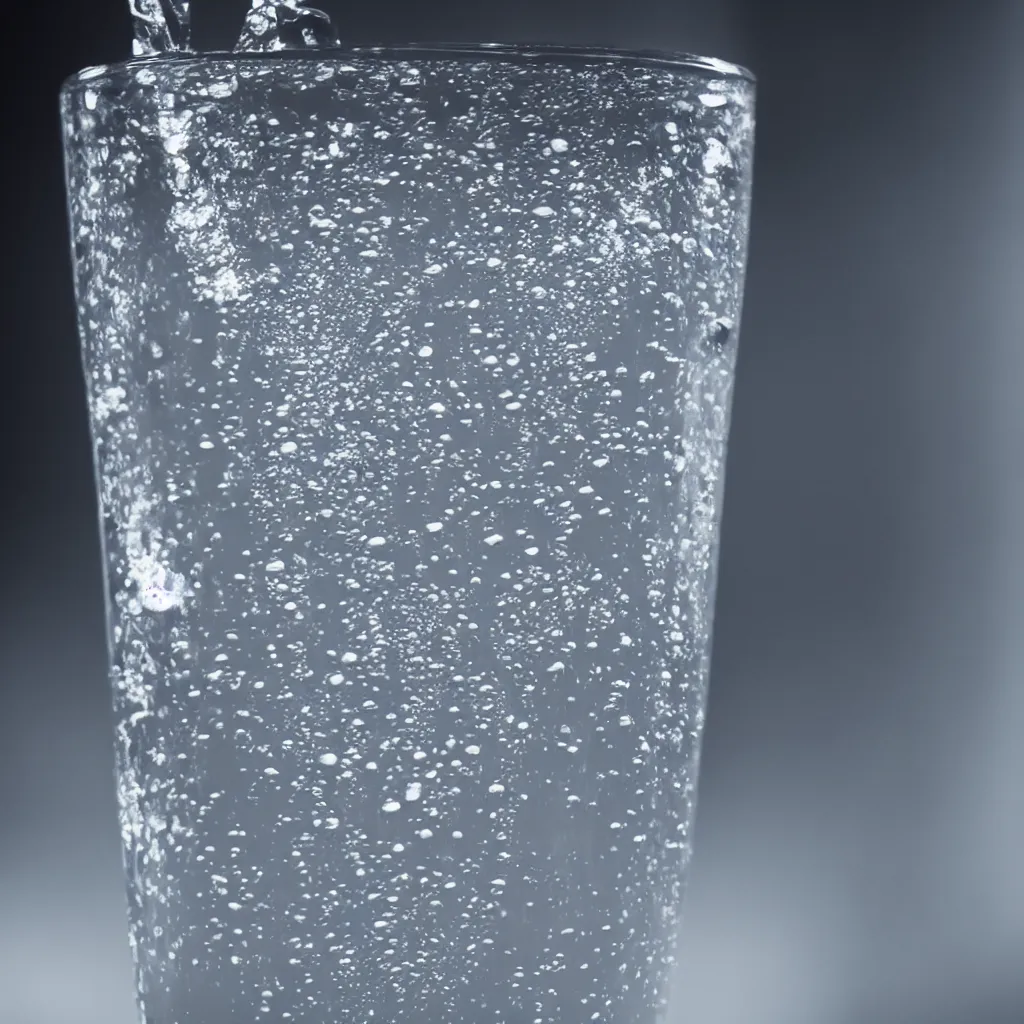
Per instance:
(860,845)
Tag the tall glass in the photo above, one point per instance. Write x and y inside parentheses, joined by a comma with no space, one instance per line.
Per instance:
(410,376)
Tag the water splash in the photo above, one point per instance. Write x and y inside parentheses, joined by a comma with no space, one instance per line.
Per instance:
(285,25)
(160,26)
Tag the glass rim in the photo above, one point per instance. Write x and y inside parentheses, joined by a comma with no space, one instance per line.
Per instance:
(552,53)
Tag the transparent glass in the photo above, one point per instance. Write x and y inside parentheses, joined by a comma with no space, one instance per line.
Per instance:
(409,374)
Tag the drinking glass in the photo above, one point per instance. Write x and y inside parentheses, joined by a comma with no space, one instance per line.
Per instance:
(409,374)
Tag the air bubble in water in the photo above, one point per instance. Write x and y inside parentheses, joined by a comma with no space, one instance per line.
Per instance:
(159,589)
